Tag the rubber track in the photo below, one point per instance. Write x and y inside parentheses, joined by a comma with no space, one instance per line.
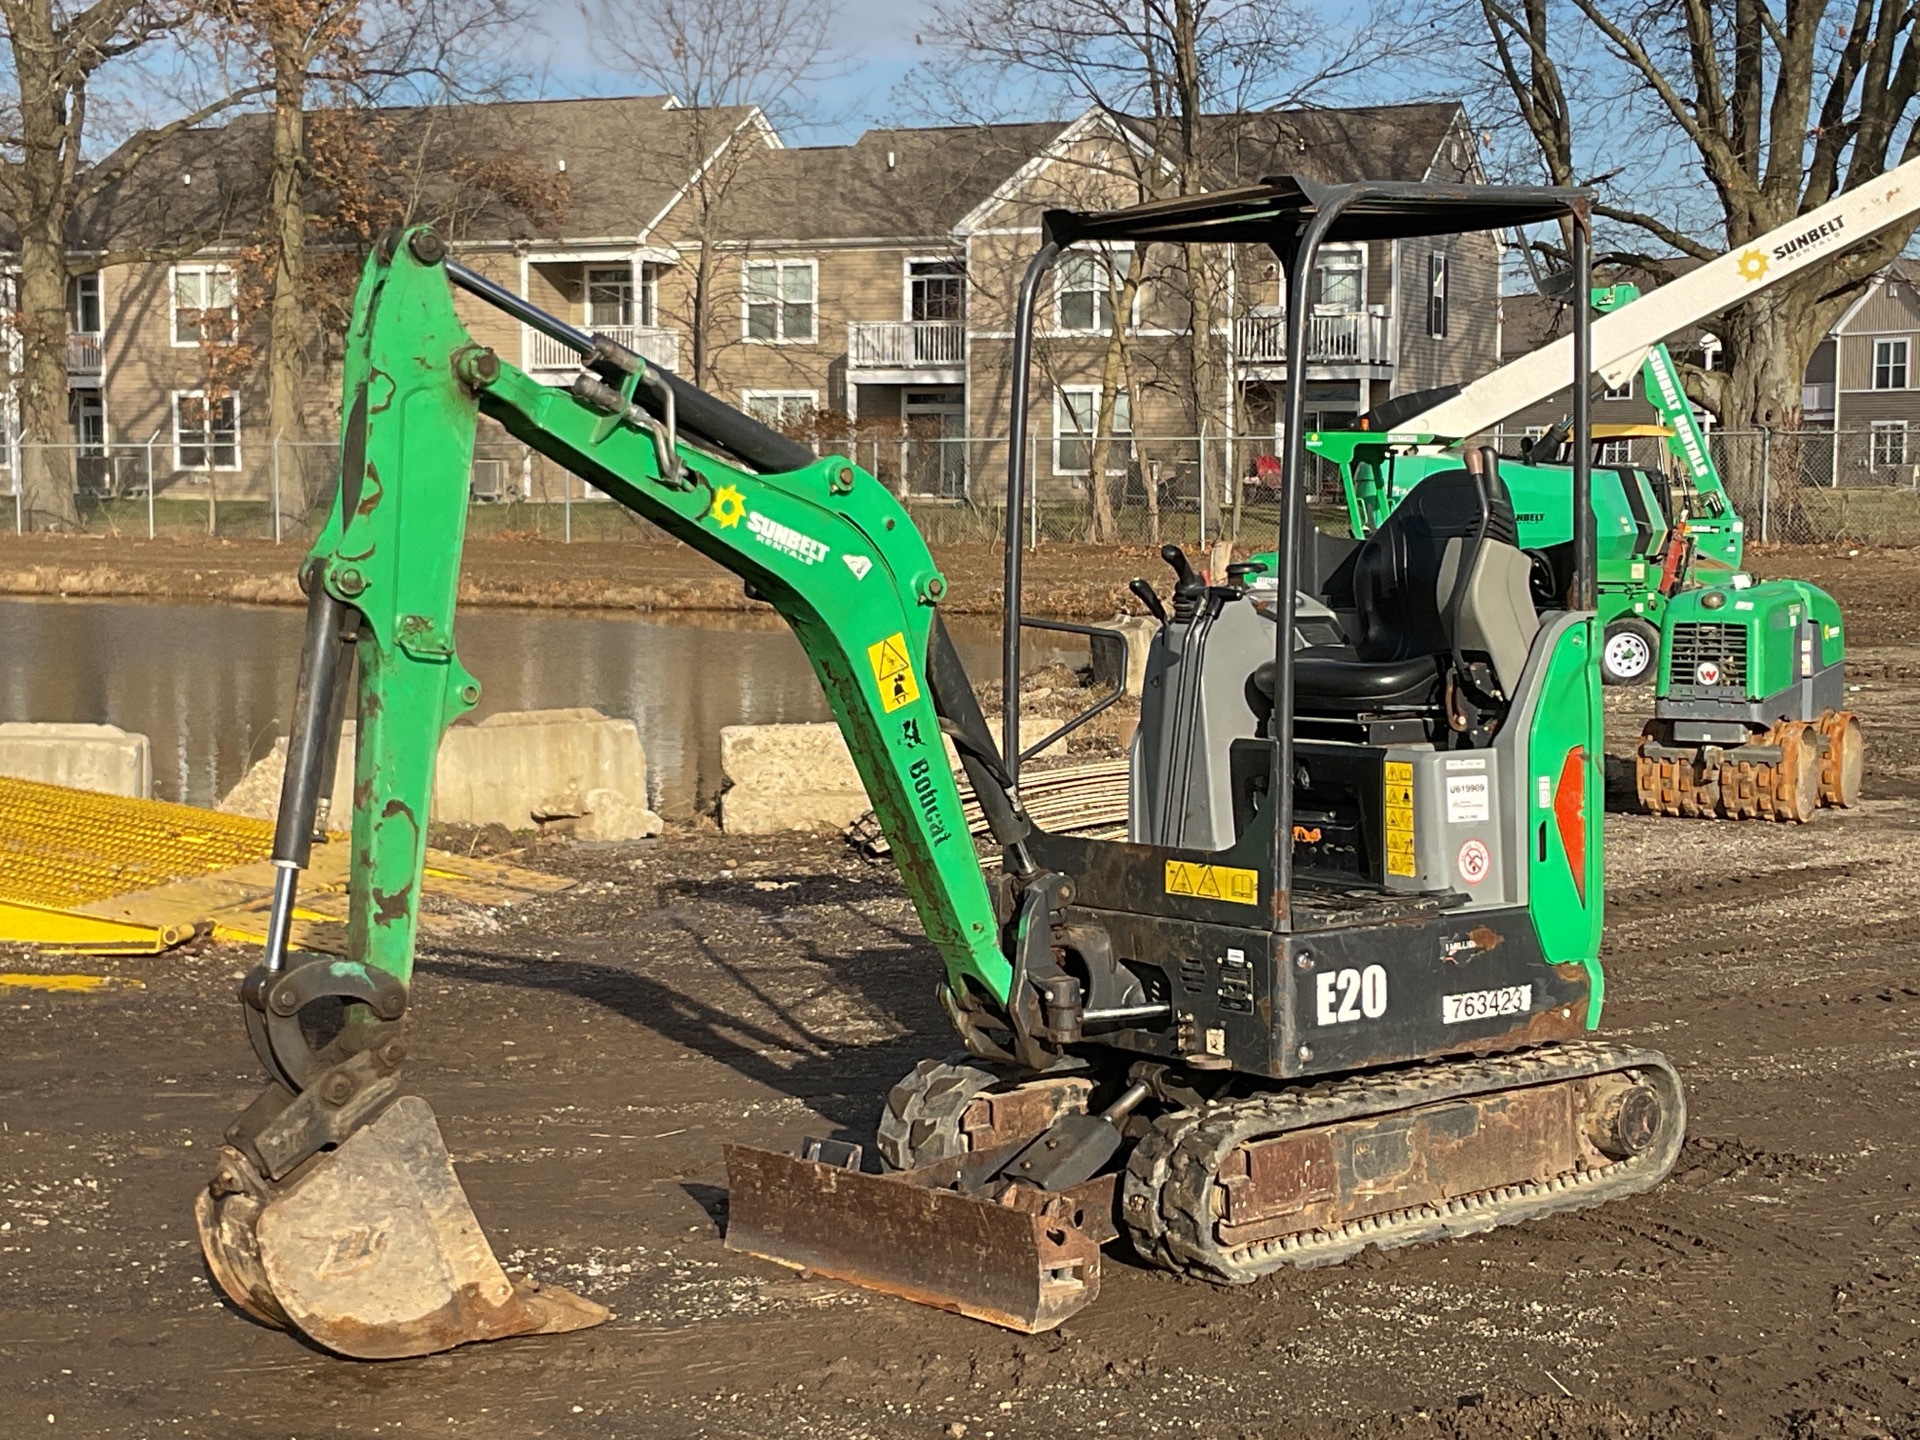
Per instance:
(1167,1188)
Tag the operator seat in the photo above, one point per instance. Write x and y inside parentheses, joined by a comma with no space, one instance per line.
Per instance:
(1443,576)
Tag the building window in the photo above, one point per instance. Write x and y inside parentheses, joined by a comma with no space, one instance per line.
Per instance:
(206,433)
(610,295)
(1889,364)
(87,409)
(1076,413)
(1622,391)
(1437,295)
(780,300)
(1084,287)
(786,410)
(1615,452)
(1339,279)
(936,290)
(203,307)
(83,304)
(1889,443)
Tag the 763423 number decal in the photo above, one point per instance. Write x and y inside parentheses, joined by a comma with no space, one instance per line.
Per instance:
(1486,1004)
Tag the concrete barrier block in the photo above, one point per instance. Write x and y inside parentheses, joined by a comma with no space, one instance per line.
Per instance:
(1139,630)
(516,769)
(787,777)
(512,765)
(86,757)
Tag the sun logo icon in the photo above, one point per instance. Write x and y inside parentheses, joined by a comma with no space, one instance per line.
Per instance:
(1753,265)
(728,506)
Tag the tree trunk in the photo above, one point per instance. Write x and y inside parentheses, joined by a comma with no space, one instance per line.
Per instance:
(46,459)
(287,221)
(1105,529)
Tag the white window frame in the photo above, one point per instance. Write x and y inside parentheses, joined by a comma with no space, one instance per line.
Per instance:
(1615,452)
(1889,429)
(1104,262)
(1320,262)
(588,270)
(779,268)
(179,462)
(78,399)
(809,399)
(174,275)
(1624,392)
(1064,417)
(1439,277)
(1886,347)
(907,277)
(78,299)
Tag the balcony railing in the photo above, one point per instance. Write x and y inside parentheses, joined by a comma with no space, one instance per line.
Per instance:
(83,353)
(1816,399)
(1351,338)
(661,346)
(906,345)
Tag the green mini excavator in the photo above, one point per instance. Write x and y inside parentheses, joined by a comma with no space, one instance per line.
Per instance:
(1337,989)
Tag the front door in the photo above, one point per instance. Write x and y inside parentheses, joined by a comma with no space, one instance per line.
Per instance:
(936,447)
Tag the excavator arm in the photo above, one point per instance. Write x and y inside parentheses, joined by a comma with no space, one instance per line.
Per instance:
(331,1149)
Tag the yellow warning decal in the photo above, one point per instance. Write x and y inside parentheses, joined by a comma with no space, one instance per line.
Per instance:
(893,673)
(1213,882)
(1399,801)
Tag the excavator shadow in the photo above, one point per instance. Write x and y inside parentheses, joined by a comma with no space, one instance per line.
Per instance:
(766,1039)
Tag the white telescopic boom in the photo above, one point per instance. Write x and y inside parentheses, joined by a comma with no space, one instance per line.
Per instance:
(1622,338)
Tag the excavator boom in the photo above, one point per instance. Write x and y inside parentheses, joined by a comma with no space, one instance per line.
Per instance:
(824,543)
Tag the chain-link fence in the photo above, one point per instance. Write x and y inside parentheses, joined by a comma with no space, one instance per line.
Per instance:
(1796,486)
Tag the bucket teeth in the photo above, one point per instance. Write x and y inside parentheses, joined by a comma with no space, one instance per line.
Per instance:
(372,1250)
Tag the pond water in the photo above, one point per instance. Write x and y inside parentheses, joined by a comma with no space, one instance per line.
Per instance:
(211,685)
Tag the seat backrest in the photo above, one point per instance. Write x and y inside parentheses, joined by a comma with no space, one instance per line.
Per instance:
(1397,572)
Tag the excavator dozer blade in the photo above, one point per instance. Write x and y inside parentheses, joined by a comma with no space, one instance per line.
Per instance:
(372,1250)
(1027,1262)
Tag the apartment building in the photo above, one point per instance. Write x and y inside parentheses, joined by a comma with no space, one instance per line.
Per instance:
(841,292)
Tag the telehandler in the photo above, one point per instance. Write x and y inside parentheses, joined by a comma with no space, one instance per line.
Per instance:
(1336,990)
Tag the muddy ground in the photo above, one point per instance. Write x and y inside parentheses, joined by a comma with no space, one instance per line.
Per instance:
(589,1054)
(1069,581)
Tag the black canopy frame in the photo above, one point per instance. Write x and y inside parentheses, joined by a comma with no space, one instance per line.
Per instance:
(1294,216)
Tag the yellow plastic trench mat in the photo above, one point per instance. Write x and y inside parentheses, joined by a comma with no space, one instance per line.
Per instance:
(80,870)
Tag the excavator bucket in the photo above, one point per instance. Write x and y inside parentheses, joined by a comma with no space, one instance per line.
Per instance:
(1025,1259)
(371,1250)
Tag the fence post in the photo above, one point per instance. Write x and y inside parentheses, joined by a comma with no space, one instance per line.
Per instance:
(213,486)
(16,455)
(276,487)
(1200,509)
(566,505)
(1766,478)
(150,440)
(1033,491)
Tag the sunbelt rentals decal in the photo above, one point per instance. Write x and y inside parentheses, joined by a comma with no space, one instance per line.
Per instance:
(730,508)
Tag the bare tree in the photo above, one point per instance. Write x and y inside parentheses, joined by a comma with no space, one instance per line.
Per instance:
(56,54)
(1164,72)
(739,69)
(327,65)
(1724,121)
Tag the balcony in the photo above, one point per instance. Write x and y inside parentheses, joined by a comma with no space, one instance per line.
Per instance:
(1351,338)
(1816,401)
(84,361)
(659,346)
(907,350)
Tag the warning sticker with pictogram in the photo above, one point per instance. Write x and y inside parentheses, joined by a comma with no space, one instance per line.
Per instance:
(1475,861)
(893,673)
(1399,807)
(1213,882)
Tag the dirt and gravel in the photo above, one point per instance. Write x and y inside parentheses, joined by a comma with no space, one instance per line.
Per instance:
(589,1054)
(1067,581)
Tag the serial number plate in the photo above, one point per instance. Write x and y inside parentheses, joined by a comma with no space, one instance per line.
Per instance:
(1486,1004)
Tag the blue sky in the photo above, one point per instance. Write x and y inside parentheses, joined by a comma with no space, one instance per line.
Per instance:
(862,95)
